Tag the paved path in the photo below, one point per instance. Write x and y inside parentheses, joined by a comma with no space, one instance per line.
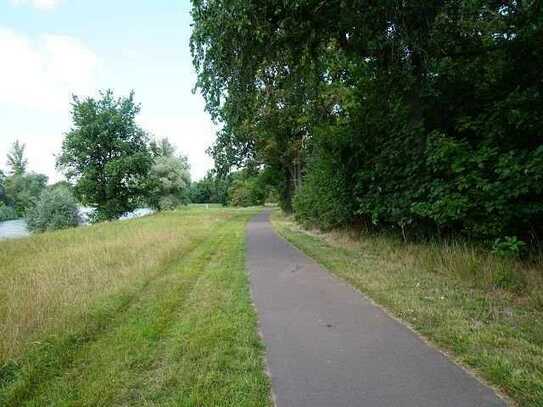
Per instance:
(329,346)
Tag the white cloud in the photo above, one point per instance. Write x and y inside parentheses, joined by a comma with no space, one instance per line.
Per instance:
(42,73)
(191,136)
(38,75)
(39,4)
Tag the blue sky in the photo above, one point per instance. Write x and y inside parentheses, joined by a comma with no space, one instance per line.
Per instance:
(53,48)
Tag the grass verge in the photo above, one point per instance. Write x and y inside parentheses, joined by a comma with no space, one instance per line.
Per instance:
(451,295)
(165,316)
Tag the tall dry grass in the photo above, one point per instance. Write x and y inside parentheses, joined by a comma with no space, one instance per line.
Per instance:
(469,264)
(50,282)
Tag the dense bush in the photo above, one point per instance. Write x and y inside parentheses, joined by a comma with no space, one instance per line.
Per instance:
(7,212)
(56,209)
(324,198)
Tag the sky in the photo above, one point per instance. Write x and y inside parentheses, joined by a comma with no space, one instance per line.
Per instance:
(51,49)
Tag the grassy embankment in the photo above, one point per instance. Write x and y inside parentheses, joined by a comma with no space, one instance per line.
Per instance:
(150,311)
(449,294)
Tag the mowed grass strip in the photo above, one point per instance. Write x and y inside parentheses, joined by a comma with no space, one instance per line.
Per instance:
(182,334)
(450,294)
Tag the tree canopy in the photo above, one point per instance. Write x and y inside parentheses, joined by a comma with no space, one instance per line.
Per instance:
(424,116)
(106,154)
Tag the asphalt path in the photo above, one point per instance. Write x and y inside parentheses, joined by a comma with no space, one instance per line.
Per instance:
(327,345)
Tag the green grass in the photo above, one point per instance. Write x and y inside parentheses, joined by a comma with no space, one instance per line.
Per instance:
(486,312)
(158,313)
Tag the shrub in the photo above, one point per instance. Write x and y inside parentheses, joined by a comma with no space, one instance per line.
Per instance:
(169,202)
(56,209)
(7,212)
(324,199)
(509,246)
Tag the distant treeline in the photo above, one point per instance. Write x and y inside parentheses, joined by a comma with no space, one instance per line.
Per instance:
(425,116)
(247,187)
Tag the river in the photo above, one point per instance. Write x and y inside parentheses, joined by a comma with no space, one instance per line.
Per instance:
(16,229)
(13,229)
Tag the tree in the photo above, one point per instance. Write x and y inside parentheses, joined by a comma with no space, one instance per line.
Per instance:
(213,188)
(169,180)
(16,159)
(56,209)
(200,192)
(105,154)
(246,190)
(23,191)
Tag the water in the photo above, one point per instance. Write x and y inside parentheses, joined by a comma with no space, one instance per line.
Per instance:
(86,212)
(15,229)
(138,213)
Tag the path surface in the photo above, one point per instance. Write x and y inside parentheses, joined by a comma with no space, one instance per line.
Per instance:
(329,346)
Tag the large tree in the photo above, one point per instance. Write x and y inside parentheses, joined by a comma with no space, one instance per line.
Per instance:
(106,154)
